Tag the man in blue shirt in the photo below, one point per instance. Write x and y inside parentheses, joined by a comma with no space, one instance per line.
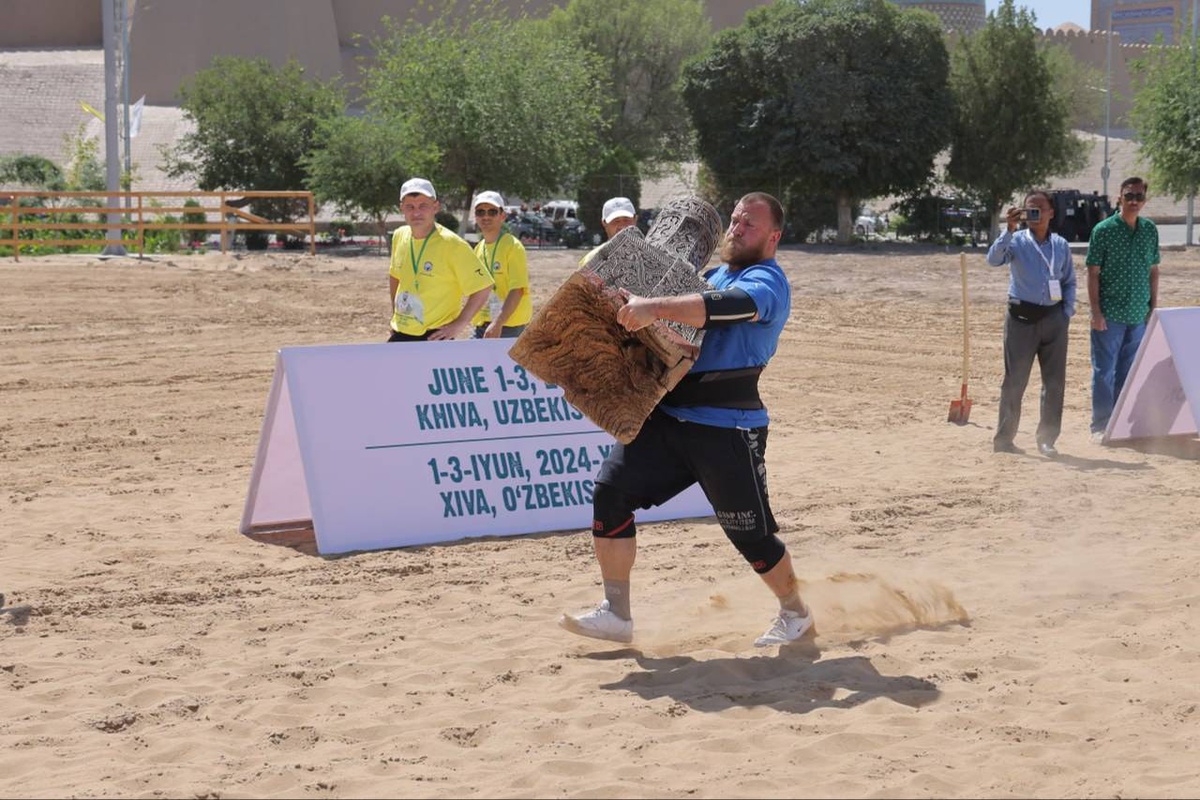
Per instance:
(1041,302)
(710,429)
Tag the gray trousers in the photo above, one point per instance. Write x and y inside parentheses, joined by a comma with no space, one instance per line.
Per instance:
(1046,340)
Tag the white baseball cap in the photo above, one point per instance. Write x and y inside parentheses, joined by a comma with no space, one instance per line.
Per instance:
(490,198)
(417,186)
(618,207)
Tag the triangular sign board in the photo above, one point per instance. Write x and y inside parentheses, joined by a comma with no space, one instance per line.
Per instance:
(389,445)
(1161,396)
(278,495)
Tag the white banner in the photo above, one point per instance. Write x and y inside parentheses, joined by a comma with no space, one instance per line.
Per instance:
(396,444)
(135,117)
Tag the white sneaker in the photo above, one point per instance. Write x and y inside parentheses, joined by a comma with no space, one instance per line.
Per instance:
(1097,437)
(787,627)
(600,623)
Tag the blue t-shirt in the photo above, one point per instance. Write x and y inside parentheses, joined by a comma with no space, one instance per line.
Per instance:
(742,344)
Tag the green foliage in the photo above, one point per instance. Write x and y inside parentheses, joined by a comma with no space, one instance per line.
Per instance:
(949,220)
(33,171)
(807,215)
(616,176)
(359,164)
(1076,85)
(835,98)
(85,170)
(164,241)
(447,220)
(1166,115)
(340,228)
(1013,125)
(194,237)
(253,126)
(502,103)
(642,46)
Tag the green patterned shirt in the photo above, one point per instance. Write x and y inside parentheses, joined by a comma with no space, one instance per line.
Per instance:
(1124,256)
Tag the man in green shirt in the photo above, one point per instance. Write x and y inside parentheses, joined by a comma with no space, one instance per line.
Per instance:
(1122,266)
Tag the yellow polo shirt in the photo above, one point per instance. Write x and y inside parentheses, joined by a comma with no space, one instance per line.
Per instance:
(434,274)
(510,270)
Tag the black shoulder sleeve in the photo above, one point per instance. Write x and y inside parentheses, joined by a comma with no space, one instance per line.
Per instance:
(726,306)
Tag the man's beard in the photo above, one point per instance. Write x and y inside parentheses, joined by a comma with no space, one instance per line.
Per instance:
(739,255)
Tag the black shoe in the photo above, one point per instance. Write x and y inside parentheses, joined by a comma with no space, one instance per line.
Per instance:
(1005,447)
(1047,449)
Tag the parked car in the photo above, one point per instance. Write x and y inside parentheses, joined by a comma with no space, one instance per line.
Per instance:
(564,214)
(869,223)
(576,234)
(529,226)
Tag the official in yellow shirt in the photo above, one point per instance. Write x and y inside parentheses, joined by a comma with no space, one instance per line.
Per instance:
(509,308)
(432,271)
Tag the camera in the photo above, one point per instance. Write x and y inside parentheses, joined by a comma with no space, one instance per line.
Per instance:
(1032,214)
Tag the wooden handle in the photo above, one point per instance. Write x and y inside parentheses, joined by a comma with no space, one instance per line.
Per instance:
(966,325)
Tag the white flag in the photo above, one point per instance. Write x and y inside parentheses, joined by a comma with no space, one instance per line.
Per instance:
(135,117)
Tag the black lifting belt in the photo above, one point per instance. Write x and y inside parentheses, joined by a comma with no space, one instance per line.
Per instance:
(722,388)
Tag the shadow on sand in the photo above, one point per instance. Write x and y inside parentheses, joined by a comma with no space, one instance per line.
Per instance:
(792,681)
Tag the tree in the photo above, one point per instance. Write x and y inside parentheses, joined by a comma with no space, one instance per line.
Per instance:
(1077,85)
(614,176)
(642,45)
(1166,115)
(84,168)
(839,98)
(359,164)
(505,105)
(253,124)
(34,171)
(1013,124)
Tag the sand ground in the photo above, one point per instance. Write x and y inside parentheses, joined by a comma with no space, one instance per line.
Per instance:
(990,625)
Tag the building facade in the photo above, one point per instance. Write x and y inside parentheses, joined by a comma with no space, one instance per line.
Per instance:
(1143,21)
(966,16)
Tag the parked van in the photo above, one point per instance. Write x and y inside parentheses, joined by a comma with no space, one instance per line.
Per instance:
(564,215)
(560,210)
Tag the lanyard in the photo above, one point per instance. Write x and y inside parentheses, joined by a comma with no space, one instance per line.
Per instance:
(417,258)
(1049,263)
(491,261)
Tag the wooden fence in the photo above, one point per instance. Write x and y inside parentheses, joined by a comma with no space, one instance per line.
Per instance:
(137,212)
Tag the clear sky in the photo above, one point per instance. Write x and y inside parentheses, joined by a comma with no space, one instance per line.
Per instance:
(1052,13)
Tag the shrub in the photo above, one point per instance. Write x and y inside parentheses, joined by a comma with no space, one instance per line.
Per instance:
(194,237)
(340,228)
(164,241)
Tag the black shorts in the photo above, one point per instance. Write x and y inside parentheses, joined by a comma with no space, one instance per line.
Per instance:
(669,455)
(397,336)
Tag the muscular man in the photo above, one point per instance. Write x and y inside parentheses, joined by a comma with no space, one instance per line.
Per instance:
(711,429)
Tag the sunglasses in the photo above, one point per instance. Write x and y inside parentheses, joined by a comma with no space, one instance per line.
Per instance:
(1134,197)
(486,212)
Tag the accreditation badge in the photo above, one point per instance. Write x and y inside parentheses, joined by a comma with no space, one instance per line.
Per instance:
(409,304)
(1055,291)
(416,308)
